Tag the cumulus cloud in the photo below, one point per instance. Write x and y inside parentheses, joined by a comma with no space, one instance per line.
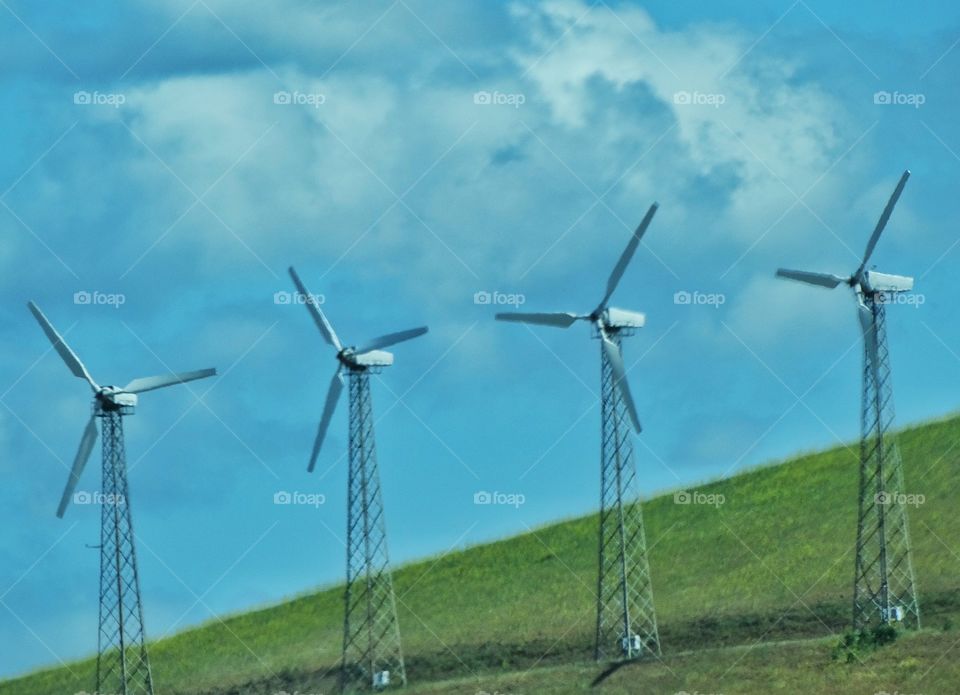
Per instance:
(747,121)
(604,110)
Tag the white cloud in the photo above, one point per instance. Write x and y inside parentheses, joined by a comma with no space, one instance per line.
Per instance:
(496,193)
(768,126)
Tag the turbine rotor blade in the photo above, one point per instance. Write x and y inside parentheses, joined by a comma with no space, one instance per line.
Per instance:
(560,319)
(68,355)
(615,358)
(625,257)
(391,339)
(822,279)
(325,328)
(333,396)
(83,454)
(149,383)
(884,218)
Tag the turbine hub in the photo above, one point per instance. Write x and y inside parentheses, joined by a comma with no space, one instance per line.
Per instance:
(347,357)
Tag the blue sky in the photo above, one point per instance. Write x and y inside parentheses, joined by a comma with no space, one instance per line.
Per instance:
(189,190)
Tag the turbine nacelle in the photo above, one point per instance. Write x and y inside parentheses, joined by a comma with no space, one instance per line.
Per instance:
(114,398)
(372,358)
(884,283)
(615,318)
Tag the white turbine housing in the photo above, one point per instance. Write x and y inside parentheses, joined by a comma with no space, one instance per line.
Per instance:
(120,398)
(621,318)
(373,358)
(883,282)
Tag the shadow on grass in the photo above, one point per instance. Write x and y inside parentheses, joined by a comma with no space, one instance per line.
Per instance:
(607,672)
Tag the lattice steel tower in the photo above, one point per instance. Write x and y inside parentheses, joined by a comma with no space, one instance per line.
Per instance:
(626,619)
(372,655)
(123,667)
(122,663)
(884,588)
(371,633)
(624,589)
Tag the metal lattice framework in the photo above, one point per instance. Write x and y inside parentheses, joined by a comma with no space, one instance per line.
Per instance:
(371,632)
(626,619)
(884,589)
(123,667)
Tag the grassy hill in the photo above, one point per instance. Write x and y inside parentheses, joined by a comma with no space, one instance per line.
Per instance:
(913,665)
(773,562)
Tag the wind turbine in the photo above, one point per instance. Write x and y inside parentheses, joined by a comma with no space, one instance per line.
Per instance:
(372,655)
(122,663)
(626,619)
(884,588)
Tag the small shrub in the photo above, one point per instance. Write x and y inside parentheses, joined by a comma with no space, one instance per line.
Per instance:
(883,635)
(861,642)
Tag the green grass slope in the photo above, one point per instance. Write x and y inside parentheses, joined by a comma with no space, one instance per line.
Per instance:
(773,562)
(922,663)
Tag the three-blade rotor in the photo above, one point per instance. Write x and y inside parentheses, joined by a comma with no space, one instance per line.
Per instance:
(106,397)
(864,282)
(606,319)
(370,354)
